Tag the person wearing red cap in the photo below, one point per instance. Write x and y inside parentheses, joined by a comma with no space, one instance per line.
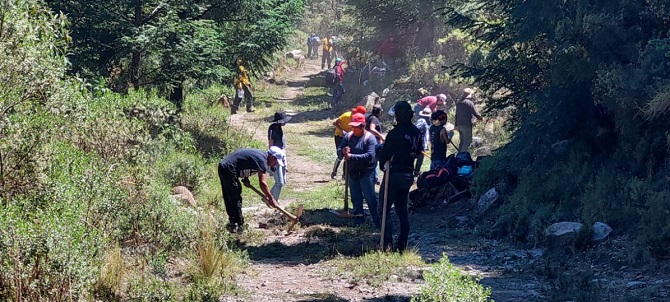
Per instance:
(341,125)
(358,149)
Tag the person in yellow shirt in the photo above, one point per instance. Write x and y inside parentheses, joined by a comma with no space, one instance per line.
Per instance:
(341,127)
(242,89)
(327,51)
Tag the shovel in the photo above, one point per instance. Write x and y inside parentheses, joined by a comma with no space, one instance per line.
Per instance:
(294,218)
(345,212)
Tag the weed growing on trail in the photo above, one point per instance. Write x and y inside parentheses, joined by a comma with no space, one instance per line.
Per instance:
(112,271)
(377,267)
(446,283)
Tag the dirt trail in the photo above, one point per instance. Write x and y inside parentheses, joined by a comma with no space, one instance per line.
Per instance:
(295,268)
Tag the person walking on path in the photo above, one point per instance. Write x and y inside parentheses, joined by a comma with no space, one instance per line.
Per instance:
(358,149)
(243,163)
(310,45)
(465,112)
(340,72)
(316,41)
(277,139)
(432,102)
(341,125)
(423,124)
(439,138)
(327,52)
(243,89)
(374,126)
(403,144)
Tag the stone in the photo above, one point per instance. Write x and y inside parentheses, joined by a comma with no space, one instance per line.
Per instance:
(600,231)
(563,228)
(477,141)
(636,284)
(183,193)
(486,201)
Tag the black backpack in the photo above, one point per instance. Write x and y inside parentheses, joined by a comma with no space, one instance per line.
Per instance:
(331,77)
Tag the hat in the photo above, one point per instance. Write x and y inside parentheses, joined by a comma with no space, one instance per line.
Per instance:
(281,117)
(438,115)
(377,107)
(402,106)
(278,153)
(357,120)
(360,109)
(426,112)
(338,60)
(468,93)
(442,97)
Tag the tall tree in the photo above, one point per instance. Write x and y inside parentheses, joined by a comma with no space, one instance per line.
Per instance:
(163,44)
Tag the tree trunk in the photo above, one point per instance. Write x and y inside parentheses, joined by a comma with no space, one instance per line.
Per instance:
(136,60)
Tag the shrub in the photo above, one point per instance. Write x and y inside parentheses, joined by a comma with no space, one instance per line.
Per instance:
(446,284)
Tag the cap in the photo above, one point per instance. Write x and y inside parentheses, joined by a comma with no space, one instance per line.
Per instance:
(426,112)
(377,107)
(281,117)
(278,153)
(360,109)
(357,120)
(442,97)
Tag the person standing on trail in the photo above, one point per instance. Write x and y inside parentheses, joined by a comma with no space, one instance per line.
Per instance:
(403,144)
(423,124)
(358,149)
(340,72)
(465,112)
(277,139)
(243,89)
(374,126)
(243,163)
(327,52)
(316,41)
(432,102)
(341,125)
(439,138)
(310,45)
(387,50)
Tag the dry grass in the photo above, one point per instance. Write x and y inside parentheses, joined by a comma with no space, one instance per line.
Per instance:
(112,271)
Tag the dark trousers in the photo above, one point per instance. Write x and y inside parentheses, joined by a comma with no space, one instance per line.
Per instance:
(247,96)
(398,196)
(326,59)
(232,194)
(309,50)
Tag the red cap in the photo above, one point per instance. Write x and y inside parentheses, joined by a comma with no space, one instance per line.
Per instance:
(357,120)
(360,109)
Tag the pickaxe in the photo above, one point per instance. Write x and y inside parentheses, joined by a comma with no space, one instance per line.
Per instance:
(294,218)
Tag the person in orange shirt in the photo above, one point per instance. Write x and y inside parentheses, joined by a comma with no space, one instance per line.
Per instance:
(242,89)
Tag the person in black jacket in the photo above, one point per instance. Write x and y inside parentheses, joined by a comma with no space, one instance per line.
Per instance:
(402,146)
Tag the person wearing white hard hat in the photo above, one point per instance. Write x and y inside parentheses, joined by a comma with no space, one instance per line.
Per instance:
(432,102)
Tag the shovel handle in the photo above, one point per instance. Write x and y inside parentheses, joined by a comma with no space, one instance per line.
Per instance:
(289,215)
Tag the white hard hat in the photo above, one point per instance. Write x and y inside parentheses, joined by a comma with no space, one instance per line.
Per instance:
(442,97)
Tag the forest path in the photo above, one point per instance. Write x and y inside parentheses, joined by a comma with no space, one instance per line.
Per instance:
(303,266)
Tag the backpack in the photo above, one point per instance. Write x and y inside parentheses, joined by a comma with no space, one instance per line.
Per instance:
(433,178)
(331,77)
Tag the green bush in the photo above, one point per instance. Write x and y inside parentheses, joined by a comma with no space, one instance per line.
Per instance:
(444,283)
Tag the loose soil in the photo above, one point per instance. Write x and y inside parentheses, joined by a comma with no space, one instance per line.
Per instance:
(299,266)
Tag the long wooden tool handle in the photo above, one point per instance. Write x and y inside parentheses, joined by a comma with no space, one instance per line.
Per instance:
(387,172)
(289,215)
(346,186)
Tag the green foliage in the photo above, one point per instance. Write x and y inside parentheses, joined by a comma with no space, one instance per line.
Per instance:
(546,67)
(444,283)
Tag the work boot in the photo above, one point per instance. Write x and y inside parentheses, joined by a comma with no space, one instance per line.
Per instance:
(234,228)
(251,109)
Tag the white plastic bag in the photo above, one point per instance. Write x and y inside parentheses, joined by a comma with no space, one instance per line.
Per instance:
(240,93)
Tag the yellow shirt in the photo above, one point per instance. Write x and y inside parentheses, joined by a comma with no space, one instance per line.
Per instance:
(327,45)
(345,119)
(242,78)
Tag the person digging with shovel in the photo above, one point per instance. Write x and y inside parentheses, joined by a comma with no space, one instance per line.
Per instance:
(243,163)
(403,144)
